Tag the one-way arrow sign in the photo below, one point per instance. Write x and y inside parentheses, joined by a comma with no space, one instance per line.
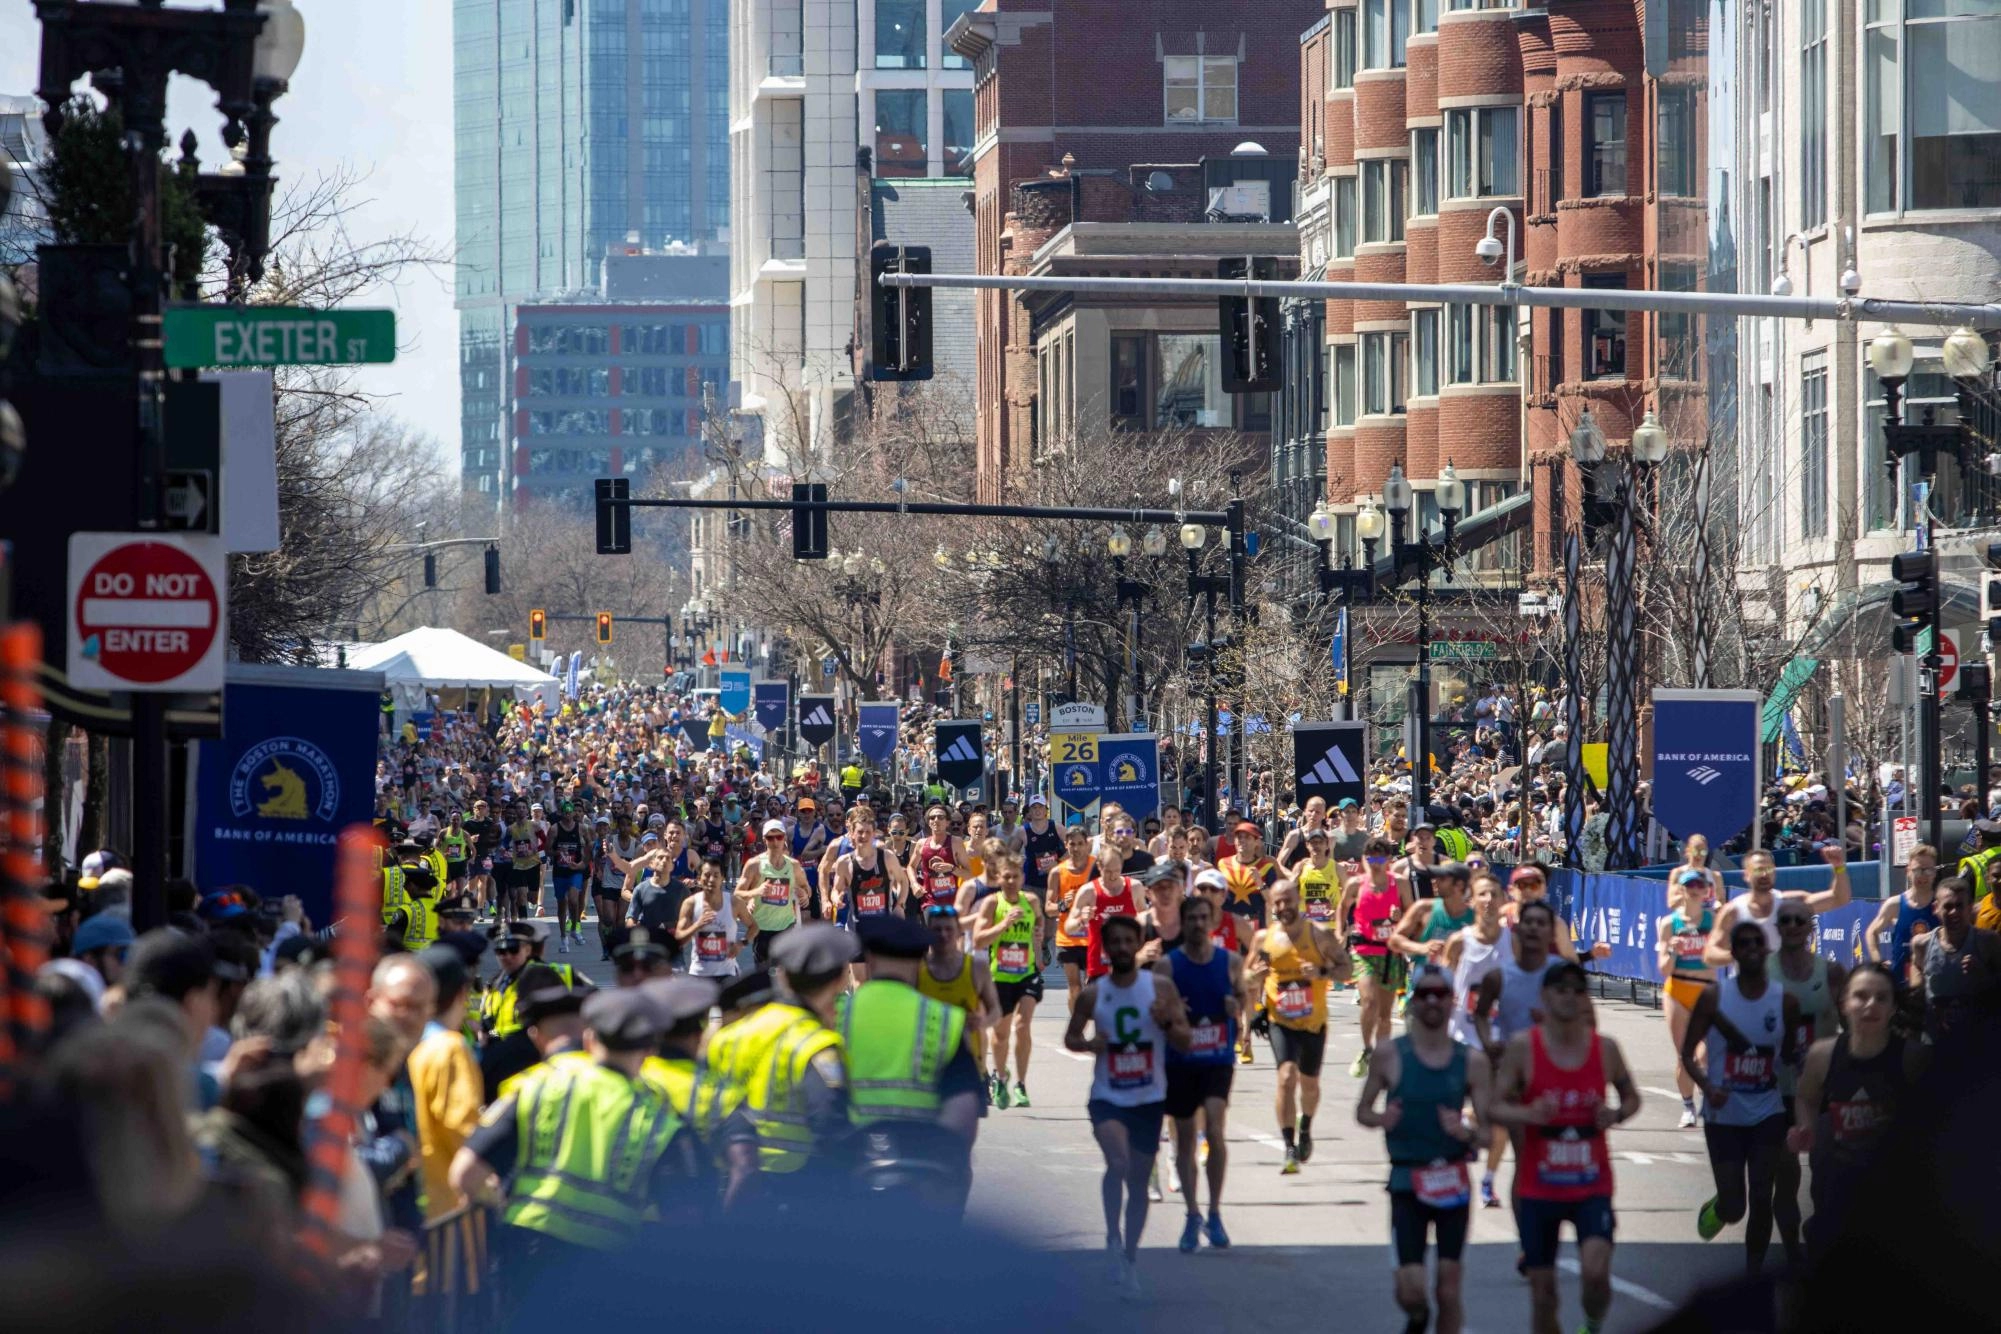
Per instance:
(190,504)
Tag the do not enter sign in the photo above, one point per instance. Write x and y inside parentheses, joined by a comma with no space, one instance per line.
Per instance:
(146,612)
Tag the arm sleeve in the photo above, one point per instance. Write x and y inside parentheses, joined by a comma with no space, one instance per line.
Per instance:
(826,1101)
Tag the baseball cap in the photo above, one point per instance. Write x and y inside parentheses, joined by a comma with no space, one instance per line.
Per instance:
(1211,879)
(1346,804)
(1690,877)
(104,931)
(1246,827)
(773,827)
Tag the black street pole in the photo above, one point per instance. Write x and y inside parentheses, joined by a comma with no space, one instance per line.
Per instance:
(1933,759)
(1016,784)
(1239,731)
(1209,706)
(1420,763)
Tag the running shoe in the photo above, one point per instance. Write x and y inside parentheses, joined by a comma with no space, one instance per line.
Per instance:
(1687,1117)
(1130,1287)
(563,945)
(1244,1055)
(1488,1200)
(1218,1238)
(1020,1094)
(1191,1234)
(1153,1190)
(1360,1067)
(1305,1144)
(1707,1221)
(1291,1168)
(1000,1093)
(1115,1261)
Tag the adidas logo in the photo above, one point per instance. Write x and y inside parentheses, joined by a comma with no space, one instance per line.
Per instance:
(819,717)
(1334,768)
(961,750)
(1705,775)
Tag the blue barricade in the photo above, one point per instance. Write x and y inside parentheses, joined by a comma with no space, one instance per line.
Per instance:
(1865,877)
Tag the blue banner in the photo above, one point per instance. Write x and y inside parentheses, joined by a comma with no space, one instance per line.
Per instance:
(772,704)
(1706,762)
(1078,783)
(733,689)
(876,733)
(697,728)
(1340,653)
(295,766)
(1129,773)
(1624,912)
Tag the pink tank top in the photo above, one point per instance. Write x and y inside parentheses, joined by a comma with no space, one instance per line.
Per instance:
(1375,917)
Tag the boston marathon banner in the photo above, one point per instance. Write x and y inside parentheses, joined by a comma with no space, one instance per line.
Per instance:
(1129,773)
(876,732)
(772,701)
(1706,762)
(295,766)
(816,719)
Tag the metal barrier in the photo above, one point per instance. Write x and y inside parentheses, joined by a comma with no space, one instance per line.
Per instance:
(452,1290)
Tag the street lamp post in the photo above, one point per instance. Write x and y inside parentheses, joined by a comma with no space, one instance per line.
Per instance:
(1398,500)
(1205,586)
(1648,448)
(1347,580)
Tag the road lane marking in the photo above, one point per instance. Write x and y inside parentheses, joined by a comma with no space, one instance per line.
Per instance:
(1626,1288)
(1665,1093)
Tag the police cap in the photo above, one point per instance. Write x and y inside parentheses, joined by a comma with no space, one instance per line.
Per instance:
(638,942)
(753,988)
(679,999)
(532,932)
(814,950)
(544,995)
(623,1019)
(894,937)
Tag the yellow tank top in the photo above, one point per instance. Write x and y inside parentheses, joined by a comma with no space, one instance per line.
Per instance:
(1291,998)
(961,991)
(1320,894)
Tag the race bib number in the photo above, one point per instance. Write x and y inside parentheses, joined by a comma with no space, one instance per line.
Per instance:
(1380,929)
(1689,947)
(777,893)
(1295,1000)
(1043,862)
(1568,1161)
(1013,957)
(871,902)
(1442,1185)
(1319,910)
(1211,1037)
(1749,1071)
(1131,1068)
(712,946)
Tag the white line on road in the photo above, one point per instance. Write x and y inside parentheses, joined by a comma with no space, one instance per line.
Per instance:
(1665,1093)
(1627,1288)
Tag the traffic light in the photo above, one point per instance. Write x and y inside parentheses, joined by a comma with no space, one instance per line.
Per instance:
(604,627)
(1990,595)
(899,317)
(430,569)
(614,521)
(492,571)
(538,625)
(809,521)
(1251,350)
(1916,599)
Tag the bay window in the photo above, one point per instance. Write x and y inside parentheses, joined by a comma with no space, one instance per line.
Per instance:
(1483,152)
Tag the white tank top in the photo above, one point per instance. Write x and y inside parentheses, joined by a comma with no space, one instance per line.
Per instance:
(1132,1070)
(1750,1076)
(1521,995)
(713,952)
(1769,923)
(1476,959)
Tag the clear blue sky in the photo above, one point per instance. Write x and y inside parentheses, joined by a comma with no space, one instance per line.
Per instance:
(374,90)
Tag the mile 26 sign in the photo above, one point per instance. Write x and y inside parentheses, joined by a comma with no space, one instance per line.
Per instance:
(147,611)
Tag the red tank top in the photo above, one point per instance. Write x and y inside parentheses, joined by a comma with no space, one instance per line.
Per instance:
(1107,905)
(1224,933)
(937,873)
(1568,1158)
(1375,917)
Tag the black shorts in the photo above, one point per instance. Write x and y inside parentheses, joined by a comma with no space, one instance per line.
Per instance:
(1298,1046)
(1142,1123)
(1739,1144)
(1412,1220)
(1080,955)
(760,948)
(1540,1223)
(454,870)
(1192,1083)
(1011,993)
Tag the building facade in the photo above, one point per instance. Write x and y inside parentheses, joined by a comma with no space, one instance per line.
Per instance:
(575,124)
(23,142)
(1093,90)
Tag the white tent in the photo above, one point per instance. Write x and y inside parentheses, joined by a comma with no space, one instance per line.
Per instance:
(432,658)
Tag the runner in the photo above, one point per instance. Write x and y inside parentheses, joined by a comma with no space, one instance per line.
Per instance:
(485,831)
(1369,914)
(608,878)
(772,891)
(1249,874)
(951,975)
(1321,887)
(456,842)
(1759,903)
(1430,1079)
(1474,952)
(1160,921)
(867,881)
(1695,860)
(1550,1089)
(1293,851)
(1132,1015)
(1427,927)
(1505,1007)
(808,838)
(1291,960)
(568,861)
(1210,982)
(521,895)
(1041,847)
(1744,1120)
(1110,893)
(1011,932)
(1066,879)
(1888,940)
(1680,941)
(1814,982)
(708,926)
(939,861)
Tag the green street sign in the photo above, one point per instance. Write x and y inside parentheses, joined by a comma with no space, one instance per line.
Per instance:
(1464,650)
(205,336)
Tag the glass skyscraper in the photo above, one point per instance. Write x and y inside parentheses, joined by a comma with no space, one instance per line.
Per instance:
(578,124)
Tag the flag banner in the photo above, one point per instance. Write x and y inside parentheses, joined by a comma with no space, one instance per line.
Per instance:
(816,719)
(1129,772)
(697,728)
(733,691)
(962,759)
(1340,654)
(1074,775)
(1331,760)
(1706,762)
(773,699)
(876,732)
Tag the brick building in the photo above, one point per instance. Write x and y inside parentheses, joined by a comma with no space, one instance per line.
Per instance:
(1094,91)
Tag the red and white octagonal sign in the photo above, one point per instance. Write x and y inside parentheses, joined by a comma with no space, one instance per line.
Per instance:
(147,611)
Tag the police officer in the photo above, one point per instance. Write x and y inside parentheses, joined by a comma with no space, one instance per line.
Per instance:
(413,918)
(537,937)
(639,956)
(513,945)
(853,776)
(589,1147)
(552,1017)
(786,1055)
(1979,865)
(711,1105)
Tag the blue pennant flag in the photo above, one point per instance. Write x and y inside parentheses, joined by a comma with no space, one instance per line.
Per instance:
(876,732)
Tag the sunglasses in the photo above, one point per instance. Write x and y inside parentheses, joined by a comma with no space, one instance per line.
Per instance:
(1795,921)
(774,838)
(1433,993)
(941,913)
(1376,861)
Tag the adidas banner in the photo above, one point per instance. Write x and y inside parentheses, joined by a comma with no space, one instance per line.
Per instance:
(697,728)
(1706,759)
(1331,760)
(875,732)
(816,719)
(770,699)
(962,759)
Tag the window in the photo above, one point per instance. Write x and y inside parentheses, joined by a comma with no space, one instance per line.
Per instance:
(569,382)
(1483,152)
(1424,16)
(1424,352)
(1676,150)
(899,132)
(1385,363)
(1191,382)
(958,132)
(1385,192)
(1605,144)
(1424,172)
(899,34)
(1385,30)
(1932,105)
(1678,347)
(1201,88)
(948,14)
(1813,445)
(1497,356)
(1480,344)
(1460,363)
(1813,113)
(1344,217)
(1325,389)
(1494,557)
(569,339)
(1605,333)
(1129,382)
(1347,394)
(1341,68)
